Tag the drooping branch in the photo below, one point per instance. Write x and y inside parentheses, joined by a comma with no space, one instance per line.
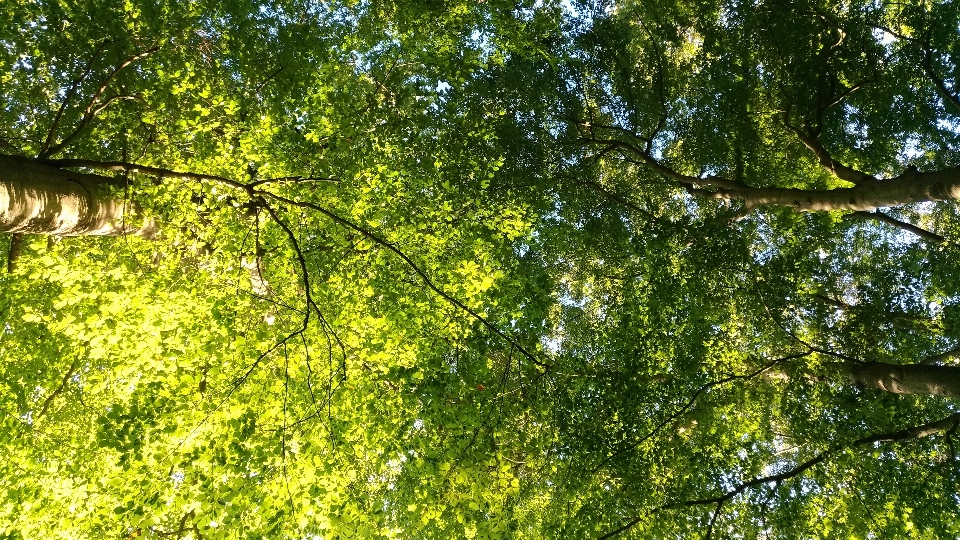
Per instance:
(305,277)
(945,424)
(413,265)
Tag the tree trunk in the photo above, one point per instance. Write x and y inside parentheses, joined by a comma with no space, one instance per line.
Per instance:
(905,379)
(910,187)
(40,199)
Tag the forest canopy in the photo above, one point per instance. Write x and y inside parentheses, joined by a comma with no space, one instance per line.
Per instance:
(479,269)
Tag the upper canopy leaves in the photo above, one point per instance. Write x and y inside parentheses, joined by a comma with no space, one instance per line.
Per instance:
(486,269)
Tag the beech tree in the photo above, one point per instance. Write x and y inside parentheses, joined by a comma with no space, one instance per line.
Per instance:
(793,165)
(479,269)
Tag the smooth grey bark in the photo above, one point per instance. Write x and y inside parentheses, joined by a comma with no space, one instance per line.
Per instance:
(910,187)
(41,199)
(922,378)
(905,379)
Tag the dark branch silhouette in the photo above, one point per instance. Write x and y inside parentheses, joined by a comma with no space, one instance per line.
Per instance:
(879,216)
(946,424)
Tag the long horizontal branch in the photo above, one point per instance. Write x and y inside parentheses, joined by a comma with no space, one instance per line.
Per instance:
(948,423)
(868,194)
(121,166)
(918,378)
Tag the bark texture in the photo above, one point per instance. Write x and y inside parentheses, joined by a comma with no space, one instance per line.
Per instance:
(906,379)
(910,187)
(41,199)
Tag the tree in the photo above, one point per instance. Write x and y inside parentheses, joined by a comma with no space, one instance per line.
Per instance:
(486,269)
(162,394)
(704,129)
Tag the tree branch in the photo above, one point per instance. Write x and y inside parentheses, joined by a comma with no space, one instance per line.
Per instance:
(596,186)
(252,192)
(59,390)
(938,83)
(652,163)
(693,399)
(826,160)
(414,266)
(91,111)
(120,166)
(713,520)
(44,152)
(877,215)
(308,291)
(937,359)
(16,242)
(898,319)
(947,424)
(910,187)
